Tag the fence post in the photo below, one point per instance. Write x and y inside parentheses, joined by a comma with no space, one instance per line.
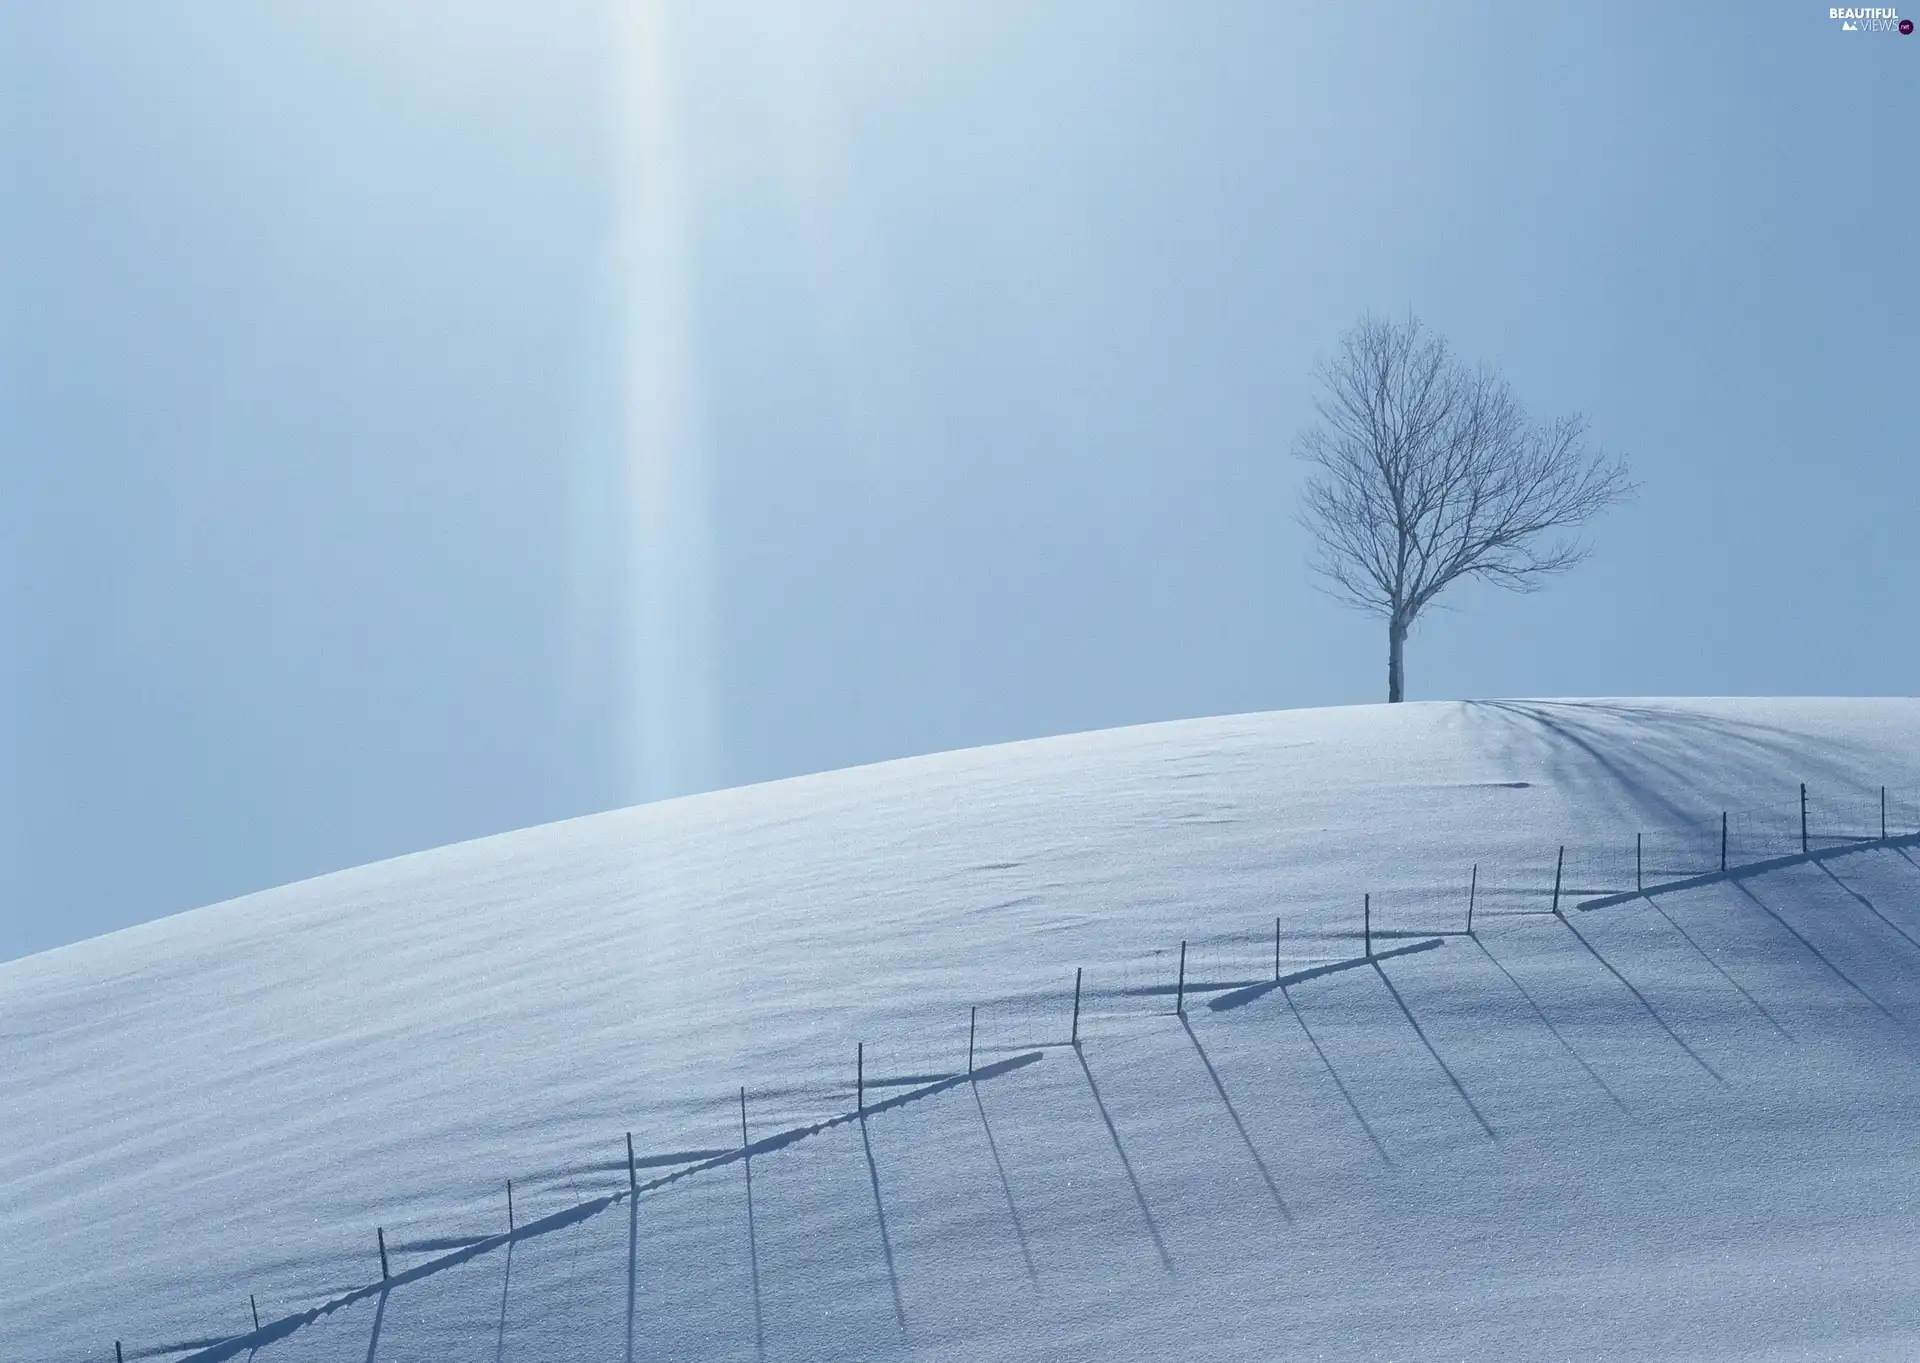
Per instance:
(1883,814)
(1366,922)
(381,1233)
(633,1182)
(1723,842)
(117,1358)
(860,1077)
(1639,881)
(1473,885)
(1803,818)
(1276,949)
(1073,1038)
(744,1142)
(254,1306)
(1180,989)
(509,1206)
(1558,862)
(973,1017)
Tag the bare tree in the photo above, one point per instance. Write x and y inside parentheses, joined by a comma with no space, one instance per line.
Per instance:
(1428,470)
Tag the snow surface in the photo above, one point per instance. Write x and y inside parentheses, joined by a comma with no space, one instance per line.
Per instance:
(1678,1126)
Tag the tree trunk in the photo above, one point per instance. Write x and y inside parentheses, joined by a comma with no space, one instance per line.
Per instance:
(1396,670)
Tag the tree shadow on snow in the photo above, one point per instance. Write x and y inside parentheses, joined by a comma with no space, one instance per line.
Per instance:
(1645,752)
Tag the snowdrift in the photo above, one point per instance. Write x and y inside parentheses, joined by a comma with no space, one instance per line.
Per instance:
(1671,1124)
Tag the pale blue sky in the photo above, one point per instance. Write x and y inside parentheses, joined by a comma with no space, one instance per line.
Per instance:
(418,421)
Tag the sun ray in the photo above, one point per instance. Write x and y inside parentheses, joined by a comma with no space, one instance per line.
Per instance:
(668,721)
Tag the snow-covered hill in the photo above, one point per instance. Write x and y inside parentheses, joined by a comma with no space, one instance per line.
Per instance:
(1674,1126)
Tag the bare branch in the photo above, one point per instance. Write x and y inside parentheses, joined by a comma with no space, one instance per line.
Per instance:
(1427,471)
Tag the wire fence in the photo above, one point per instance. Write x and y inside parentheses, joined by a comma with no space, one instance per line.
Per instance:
(1216,969)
